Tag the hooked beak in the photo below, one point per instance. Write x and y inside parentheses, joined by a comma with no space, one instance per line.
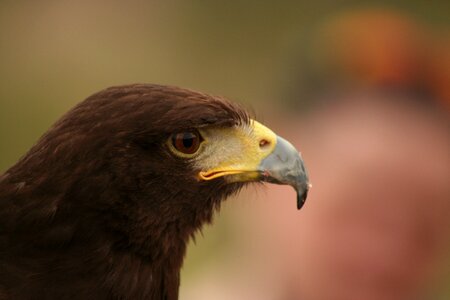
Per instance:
(285,166)
(257,154)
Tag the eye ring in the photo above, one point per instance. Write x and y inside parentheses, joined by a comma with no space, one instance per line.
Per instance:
(185,143)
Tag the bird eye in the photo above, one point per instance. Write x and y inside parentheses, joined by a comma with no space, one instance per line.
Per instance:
(186,142)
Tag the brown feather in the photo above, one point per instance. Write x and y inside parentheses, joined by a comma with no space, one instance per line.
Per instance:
(98,208)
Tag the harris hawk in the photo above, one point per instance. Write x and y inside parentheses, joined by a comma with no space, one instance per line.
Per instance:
(103,206)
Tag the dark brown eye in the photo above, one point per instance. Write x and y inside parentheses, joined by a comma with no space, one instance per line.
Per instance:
(186,142)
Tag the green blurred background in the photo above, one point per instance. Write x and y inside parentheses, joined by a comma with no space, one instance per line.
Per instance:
(53,54)
(279,59)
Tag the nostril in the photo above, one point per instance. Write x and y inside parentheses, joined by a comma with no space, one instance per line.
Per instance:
(264,143)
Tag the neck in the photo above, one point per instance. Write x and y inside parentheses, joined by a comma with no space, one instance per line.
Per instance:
(143,248)
(113,246)
(133,277)
(104,240)
(152,240)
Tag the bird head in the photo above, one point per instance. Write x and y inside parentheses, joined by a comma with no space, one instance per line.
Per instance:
(115,189)
(156,157)
(189,146)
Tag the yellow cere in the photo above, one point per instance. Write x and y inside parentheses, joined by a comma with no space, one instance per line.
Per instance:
(235,151)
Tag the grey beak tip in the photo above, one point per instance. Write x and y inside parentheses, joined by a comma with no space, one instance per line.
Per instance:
(301,198)
(285,166)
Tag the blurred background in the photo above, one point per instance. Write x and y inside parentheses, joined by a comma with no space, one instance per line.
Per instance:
(363,90)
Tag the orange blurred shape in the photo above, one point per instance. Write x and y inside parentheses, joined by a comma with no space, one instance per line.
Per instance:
(439,70)
(383,47)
